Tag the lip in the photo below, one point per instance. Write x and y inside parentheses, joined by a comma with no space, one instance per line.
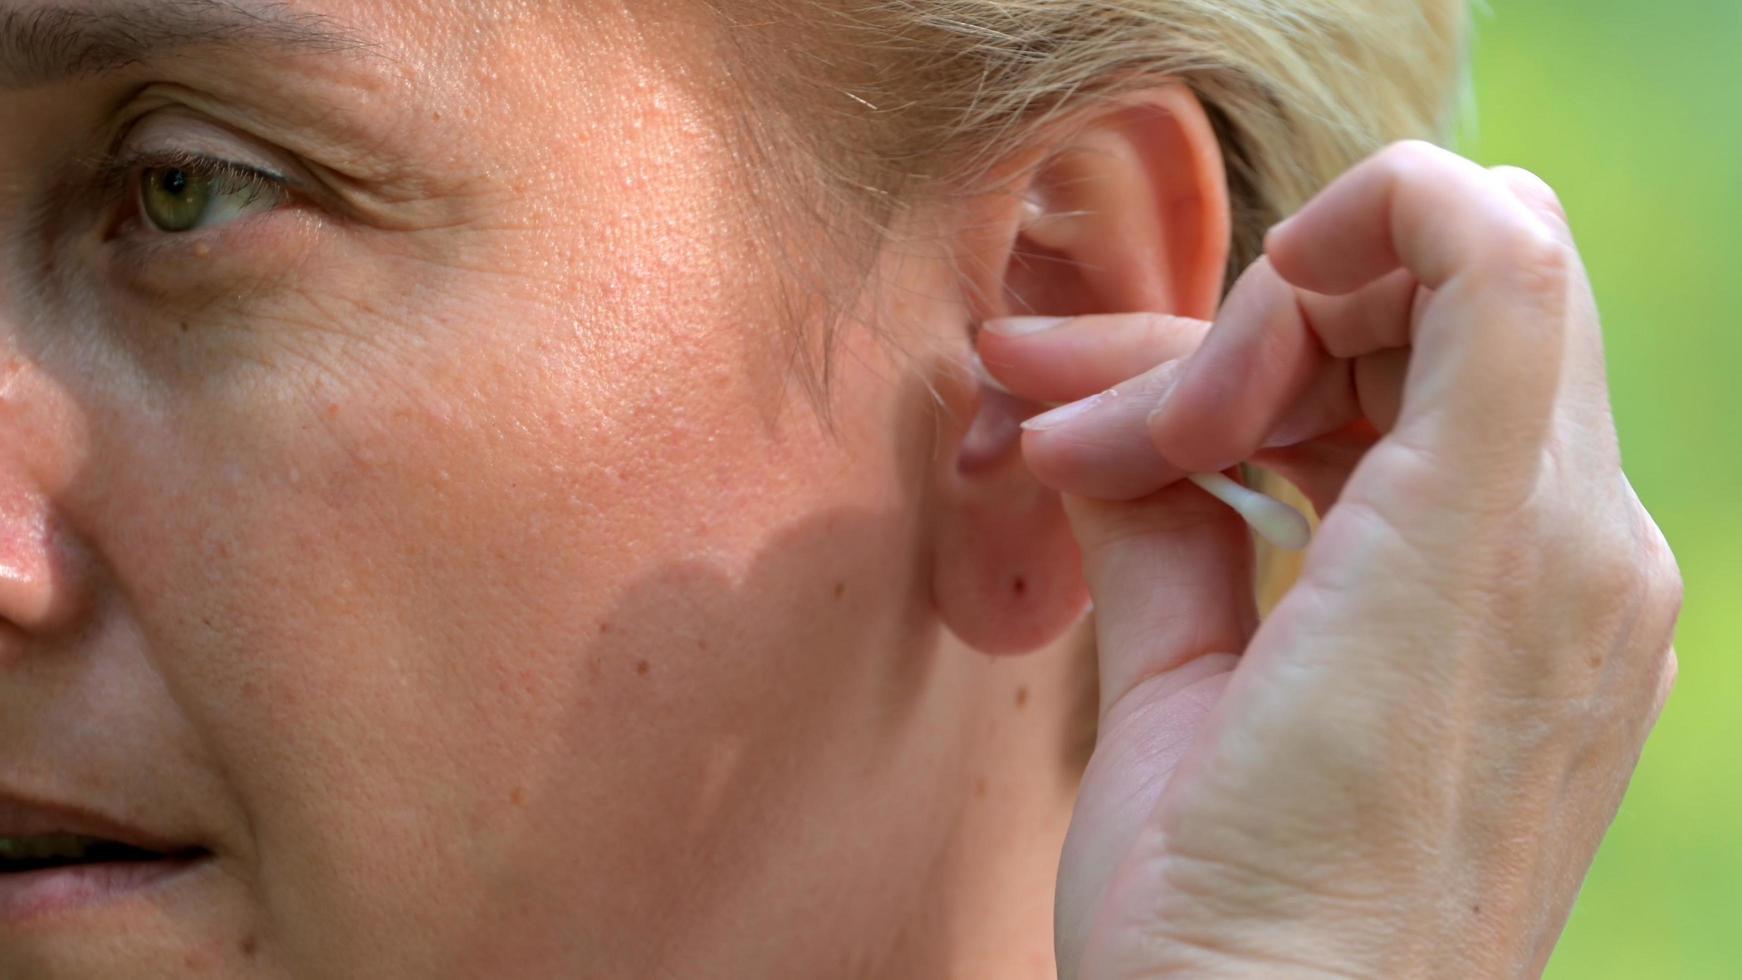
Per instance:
(23,817)
(31,894)
(34,894)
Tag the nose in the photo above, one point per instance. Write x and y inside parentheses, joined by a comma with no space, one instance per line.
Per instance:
(40,591)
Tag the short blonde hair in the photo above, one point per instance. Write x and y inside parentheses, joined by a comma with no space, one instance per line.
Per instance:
(902,100)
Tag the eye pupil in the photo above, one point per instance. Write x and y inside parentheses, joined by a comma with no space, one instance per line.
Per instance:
(175,182)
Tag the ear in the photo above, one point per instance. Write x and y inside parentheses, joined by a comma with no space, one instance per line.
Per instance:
(1122,209)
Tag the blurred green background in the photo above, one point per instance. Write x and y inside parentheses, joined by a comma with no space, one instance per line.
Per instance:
(1632,109)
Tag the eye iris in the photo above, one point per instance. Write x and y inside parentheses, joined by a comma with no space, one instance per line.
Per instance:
(174,200)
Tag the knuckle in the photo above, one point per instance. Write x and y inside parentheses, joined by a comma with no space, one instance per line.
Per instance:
(1613,574)
(1169,324)
(1531,188)
(1663,571)
(1537,269)
(1633,574)
(1405,156)
(1537,258)
(1163,336)
(1668,674)
(1655,694)
(1409,161)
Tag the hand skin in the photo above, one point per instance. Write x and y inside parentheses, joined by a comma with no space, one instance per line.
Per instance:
(1406,769)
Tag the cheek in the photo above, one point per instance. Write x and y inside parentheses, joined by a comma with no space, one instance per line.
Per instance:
(468,608)
(458,610)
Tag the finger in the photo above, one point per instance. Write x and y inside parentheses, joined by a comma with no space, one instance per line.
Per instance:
(1585,388)
(1099,447)
(1171,577)
(1102,447)
(1539,197)
(1488,348)
(1366,379)
(1264,378)
(1412,206)
(1054,360)
(1486,345)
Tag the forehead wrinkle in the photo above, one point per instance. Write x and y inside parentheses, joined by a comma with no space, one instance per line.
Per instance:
(55,42)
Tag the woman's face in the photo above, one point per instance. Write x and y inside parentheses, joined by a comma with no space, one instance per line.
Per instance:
(436,543)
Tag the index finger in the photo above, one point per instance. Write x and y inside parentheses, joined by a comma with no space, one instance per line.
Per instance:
(1412,206)
(1487,344)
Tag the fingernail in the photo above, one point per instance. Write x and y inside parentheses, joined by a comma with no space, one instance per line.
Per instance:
(1022,326)
(1285,435)
(1065,413)
(978,367)
(1163,397)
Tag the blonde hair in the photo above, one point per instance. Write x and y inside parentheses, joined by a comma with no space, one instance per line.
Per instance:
(904,100)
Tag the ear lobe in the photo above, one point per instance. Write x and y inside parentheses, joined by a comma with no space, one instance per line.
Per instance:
(1128,212)
(1007,573)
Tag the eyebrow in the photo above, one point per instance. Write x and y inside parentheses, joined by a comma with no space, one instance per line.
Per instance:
(47,44)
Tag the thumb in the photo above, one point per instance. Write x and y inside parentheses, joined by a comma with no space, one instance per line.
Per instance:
(1171,576)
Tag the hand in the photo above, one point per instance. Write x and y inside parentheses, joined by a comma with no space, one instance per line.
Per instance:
(1406,769)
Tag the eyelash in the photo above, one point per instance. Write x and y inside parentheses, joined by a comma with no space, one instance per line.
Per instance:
(123,176)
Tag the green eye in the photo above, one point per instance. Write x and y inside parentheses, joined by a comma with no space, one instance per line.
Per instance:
(174,199)
(178,199)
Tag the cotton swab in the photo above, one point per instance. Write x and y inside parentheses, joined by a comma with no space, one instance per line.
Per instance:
(1271,519)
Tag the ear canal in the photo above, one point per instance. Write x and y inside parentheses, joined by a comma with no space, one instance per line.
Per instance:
(1044,225)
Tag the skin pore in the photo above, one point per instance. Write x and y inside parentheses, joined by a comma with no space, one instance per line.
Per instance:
(449,549)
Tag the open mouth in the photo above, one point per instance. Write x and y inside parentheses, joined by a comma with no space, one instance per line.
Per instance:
(51,872)
(24,854)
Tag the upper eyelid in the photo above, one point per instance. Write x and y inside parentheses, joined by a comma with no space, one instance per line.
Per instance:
(117,171)
(197,140)
(170,136)
(209,165)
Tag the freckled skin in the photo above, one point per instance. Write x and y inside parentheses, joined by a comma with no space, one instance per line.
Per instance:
(371,514)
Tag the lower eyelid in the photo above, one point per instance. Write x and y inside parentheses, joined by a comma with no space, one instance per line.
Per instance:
(230,259)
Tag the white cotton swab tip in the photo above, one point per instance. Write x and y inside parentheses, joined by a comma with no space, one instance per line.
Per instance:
(1271,519)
